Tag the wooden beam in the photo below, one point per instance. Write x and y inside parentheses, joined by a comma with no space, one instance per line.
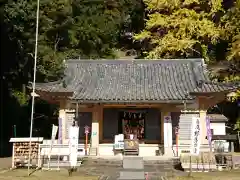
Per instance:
(133,105)
(205,102)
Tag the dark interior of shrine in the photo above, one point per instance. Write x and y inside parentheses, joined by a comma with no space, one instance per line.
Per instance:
(132,122)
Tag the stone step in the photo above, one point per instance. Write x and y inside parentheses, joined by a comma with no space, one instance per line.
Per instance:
(133,163)
(132,175)
(115,162)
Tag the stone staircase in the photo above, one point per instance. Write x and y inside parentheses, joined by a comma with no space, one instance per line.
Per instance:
(170,162)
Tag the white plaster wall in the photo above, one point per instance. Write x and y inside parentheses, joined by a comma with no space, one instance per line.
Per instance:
(105,150)
(148,149)
(218,128)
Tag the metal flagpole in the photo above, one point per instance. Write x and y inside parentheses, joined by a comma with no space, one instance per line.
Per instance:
(33,86)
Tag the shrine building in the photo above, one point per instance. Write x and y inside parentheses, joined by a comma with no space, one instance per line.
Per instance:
(147,97)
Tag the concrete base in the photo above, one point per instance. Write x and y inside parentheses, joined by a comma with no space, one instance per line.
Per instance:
(133,163)
(168,152)
(132,175)
(133,168)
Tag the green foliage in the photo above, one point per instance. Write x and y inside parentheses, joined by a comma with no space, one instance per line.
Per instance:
(21,97)
(231,31)
(67,29)
(237,125)
(230,24)
(181,28)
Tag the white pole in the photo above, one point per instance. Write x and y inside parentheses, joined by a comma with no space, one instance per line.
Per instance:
(33,87)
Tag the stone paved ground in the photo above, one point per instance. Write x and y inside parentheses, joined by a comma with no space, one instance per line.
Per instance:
(5,163)
(111,171)
(92,171)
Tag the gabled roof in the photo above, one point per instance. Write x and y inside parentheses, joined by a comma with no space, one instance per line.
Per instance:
(111,81)
(217,118)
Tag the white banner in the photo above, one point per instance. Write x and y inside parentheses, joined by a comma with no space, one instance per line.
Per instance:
(73,145)
(195,145)
(167,131)
(54,133)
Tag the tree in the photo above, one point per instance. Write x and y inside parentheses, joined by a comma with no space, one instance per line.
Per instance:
(181,28)
(231,26)
(230,23)
(67,29)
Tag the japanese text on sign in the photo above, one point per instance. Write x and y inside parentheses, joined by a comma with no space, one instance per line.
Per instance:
(195,145)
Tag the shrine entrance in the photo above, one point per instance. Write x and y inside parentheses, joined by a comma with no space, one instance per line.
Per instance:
(131,123)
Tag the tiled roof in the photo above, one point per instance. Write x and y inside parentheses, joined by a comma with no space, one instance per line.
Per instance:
(112,81)
(217,118)
(57,86)
(211,87)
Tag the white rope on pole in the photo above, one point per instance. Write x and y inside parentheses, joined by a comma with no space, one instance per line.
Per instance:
(33,87)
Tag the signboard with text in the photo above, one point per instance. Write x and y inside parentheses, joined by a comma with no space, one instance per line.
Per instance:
(73,145)
(131,144)
(195,145)
(168,131)
(119,142)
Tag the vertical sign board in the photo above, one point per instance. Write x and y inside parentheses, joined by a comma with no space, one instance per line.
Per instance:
(195,145)
(54,133)
(209,133)
(73,145)
(167,131)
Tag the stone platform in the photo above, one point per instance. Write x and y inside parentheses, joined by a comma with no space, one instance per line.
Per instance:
(110,168)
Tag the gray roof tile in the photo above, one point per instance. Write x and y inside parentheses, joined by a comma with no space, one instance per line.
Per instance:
(132,81)
(217,118)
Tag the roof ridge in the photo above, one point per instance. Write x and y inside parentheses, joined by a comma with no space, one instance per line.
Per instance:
(222,83)
(128,61)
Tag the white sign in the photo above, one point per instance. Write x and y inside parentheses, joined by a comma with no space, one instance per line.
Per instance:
(167,131)
(73,145)
(119,141)
(195,145)
(54,133)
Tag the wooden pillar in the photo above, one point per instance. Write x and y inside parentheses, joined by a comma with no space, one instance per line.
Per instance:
(162,127)
(100,119)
